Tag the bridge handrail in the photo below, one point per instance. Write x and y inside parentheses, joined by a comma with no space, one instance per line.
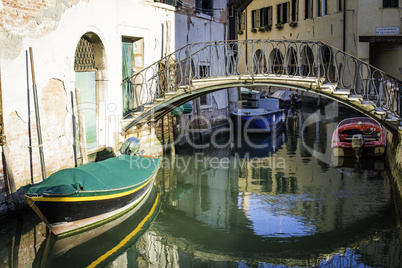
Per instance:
(263,58)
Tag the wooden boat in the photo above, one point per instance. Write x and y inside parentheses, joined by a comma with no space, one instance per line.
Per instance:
(359,136)
(103,244)
(77,199)
(258,115)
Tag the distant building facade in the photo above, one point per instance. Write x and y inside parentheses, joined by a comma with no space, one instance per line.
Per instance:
(367,29)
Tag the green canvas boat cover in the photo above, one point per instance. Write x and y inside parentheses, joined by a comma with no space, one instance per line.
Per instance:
(115,174)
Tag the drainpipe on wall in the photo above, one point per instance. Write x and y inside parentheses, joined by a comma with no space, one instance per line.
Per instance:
(245,29)
(162,39)
(344,26)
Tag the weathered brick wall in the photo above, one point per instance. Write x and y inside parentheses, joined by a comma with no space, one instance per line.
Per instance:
(56,135)
(21,19)
(27,18)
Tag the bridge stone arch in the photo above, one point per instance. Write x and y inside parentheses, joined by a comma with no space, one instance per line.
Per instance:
(154,112)
(304,65)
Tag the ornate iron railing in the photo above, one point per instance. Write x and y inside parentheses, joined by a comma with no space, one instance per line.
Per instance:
(259,58)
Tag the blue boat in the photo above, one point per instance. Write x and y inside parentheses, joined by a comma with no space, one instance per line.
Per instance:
(259,115)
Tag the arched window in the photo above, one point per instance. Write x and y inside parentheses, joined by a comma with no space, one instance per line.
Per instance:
(306,61)
(291,61)
(259,62)
(276,61)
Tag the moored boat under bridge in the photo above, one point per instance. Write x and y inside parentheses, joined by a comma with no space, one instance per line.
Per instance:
(200,68)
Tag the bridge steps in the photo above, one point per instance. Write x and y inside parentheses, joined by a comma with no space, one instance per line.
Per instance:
(341,92)
(357,98)
(328,88)
(367,103)
(380,111)
(393,119)
(171,93)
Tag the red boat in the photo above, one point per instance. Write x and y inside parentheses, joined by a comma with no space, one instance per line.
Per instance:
(359,136)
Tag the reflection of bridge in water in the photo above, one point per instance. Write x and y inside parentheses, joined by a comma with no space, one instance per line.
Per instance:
(208,212)
(198,69)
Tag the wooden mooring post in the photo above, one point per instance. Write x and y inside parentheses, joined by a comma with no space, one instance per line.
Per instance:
(38,126)
(81,128)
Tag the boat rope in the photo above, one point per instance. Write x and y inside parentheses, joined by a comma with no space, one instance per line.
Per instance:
(34,200)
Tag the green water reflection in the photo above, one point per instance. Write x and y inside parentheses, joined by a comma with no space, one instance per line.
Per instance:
(281,205)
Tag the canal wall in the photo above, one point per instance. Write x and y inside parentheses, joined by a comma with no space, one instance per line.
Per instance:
(394,158)
(151,138)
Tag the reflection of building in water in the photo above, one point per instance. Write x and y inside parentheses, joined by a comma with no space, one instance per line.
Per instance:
(293,187)
(325,200)
(155,251)
(252,200)
(210,191)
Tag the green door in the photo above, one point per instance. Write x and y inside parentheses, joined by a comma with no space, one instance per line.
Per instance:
(127,68)
(85,81)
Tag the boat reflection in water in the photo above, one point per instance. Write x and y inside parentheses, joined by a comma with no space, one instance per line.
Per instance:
(102,245)
(255,213)
(256,145)
(370,167)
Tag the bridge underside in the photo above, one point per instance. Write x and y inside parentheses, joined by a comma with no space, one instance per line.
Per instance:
(160,107)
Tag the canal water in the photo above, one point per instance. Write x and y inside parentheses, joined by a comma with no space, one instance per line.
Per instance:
(239,201)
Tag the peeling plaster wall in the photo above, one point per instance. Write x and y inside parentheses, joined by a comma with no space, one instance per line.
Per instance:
(53,29)
(193,27)
(31,18)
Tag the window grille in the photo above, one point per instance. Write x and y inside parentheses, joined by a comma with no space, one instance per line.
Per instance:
(84,59)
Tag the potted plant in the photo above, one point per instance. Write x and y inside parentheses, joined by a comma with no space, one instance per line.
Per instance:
(293,23)
(254,30)
(261,29)
(268,27)
(240,31)
(279,25)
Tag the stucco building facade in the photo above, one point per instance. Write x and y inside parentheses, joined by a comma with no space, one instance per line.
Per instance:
(367,29)
(92,45)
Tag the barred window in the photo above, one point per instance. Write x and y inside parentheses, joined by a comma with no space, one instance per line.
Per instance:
(390,3)
(84,59)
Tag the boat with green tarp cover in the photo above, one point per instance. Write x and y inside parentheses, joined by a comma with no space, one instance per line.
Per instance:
(76,199)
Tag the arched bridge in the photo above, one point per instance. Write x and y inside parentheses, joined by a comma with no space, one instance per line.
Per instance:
(201,68)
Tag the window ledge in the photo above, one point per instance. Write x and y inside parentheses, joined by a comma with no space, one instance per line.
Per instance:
(203,16)
(204,107)
(165,6)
